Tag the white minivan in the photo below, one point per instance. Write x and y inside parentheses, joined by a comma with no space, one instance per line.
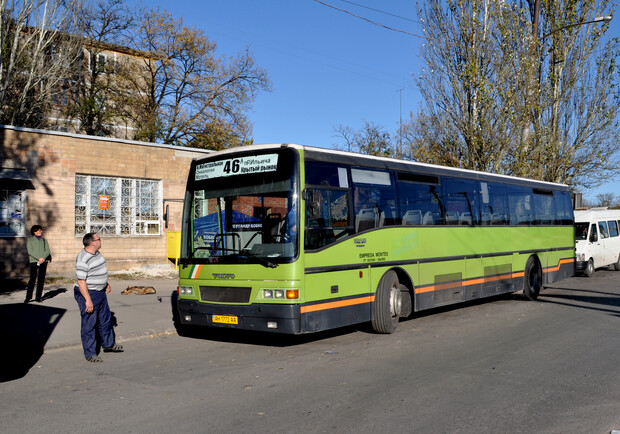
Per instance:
(597,239)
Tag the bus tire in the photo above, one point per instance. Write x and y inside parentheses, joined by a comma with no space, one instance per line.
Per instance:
(589,268)
(532,279)
(617,264)
(388,304)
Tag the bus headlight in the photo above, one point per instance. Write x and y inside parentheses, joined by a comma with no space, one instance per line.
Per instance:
(279,293)
(186,290)
(581,257)
(268,293)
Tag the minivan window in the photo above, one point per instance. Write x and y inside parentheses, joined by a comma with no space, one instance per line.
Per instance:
(602,228)
(613,228)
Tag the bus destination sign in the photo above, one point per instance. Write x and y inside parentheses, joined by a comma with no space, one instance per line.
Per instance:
(237,166)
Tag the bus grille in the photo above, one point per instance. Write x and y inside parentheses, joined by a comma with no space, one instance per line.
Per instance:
(225,294)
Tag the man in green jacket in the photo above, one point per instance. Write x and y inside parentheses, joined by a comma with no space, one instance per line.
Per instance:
(39,254)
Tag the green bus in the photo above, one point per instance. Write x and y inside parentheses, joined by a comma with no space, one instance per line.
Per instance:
(293,239)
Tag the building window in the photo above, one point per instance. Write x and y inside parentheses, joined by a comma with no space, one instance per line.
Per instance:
(60,95)
(117,206)
(12,213)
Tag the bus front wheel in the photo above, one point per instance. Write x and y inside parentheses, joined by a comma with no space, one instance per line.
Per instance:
(388,304)
(532,279)
(589,268)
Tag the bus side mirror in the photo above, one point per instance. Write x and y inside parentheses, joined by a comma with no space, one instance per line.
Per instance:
(593,237)
(166,216)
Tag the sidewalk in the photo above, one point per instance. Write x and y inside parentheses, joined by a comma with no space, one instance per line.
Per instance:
(54,323)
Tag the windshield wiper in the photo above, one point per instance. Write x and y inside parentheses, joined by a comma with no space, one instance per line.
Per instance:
(264,262)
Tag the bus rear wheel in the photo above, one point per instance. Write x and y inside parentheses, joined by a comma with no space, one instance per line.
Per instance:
(388,304)
(532,279)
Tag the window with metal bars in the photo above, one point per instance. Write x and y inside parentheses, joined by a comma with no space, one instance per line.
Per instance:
(117,206)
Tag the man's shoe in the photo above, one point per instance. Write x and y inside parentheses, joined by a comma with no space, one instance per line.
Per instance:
(94,359)
(114,349)
(28,300)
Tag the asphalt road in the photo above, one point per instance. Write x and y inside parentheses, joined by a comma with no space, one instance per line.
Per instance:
(502,365)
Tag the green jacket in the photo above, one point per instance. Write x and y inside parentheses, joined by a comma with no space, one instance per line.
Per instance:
(38,248)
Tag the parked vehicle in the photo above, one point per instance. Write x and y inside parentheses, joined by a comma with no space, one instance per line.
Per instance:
(597,239)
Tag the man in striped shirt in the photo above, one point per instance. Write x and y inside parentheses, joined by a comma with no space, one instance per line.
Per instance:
(90,291)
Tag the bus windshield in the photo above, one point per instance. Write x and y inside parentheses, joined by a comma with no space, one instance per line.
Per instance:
(248,216)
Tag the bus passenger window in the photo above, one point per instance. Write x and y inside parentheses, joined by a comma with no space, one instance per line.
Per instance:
(460,198)
(494,206)
(374,199)
(520,203)
(564,208)
(419,202)
(544,206)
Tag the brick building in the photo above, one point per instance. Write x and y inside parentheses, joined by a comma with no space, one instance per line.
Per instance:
(72,184)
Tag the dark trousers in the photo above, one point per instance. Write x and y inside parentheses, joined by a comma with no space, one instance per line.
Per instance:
(37,273)
(97,322)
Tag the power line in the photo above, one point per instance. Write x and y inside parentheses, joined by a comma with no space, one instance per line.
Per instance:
(380,11)
(367,20)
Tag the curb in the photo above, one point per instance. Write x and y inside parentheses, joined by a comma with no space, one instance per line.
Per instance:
(149,334)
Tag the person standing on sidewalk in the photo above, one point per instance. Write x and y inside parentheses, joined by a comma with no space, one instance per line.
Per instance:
(90,291)
(38,254)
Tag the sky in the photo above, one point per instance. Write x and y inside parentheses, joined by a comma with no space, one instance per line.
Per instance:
(328,68)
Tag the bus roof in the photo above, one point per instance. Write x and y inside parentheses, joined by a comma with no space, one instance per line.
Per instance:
(385,162)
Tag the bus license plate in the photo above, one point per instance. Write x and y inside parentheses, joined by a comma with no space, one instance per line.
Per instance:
(225,319)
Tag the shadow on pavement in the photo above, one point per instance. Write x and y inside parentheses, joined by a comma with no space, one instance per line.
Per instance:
(53,293)
(9,285)
(24,331)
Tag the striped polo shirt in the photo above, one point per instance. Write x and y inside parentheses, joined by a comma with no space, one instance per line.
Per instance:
(92,269)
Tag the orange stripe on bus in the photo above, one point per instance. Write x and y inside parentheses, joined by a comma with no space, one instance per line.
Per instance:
(336,304)
(470,282)
(481,280)
(196,271)
(562,262)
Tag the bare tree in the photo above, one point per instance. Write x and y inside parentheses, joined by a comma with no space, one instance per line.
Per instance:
(576,118)
(36,57)
(606,199)
(98,83)
(520,90)
(371,139)
(189,93)
(465,86)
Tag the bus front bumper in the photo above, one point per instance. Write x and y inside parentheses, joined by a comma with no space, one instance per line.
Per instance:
(277,318)
(580,266)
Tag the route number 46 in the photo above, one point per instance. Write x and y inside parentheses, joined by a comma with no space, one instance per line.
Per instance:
(232,166)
